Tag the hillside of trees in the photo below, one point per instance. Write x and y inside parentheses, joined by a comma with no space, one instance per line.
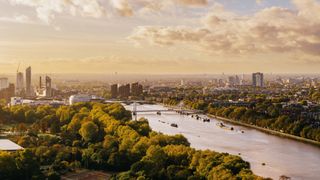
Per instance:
(103,137)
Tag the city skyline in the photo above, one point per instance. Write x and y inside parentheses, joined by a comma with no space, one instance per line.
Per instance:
(167,37)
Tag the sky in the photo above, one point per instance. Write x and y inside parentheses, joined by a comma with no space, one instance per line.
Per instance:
(160,37)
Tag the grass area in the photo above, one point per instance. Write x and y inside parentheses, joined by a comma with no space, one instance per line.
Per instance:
(83,174)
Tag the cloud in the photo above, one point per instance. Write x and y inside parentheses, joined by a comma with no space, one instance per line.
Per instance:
(123,7)
(270,30)
(193,2)
(18,19)
(46,9)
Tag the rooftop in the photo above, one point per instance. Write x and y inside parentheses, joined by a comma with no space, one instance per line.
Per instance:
(7,145)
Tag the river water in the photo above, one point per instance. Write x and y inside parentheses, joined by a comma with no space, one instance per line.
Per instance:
(281,156)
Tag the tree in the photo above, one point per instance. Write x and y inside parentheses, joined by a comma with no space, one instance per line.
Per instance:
(27,164)
(8,169)
(30,116)
(88,131)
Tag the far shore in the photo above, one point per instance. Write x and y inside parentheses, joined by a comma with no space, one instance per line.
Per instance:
(269,131)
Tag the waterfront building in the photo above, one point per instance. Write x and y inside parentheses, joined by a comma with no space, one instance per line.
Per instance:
(114,91)
(124,91)
(136,89)
(79,98)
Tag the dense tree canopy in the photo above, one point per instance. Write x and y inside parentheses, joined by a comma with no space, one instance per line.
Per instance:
(103,137)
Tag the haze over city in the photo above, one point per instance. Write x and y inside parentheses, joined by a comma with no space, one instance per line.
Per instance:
(160,89)
(160,37)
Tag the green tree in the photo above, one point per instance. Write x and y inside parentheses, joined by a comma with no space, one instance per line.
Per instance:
(88,131)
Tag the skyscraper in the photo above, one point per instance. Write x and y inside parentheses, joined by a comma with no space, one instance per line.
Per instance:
(48,86)
(19,83)
(124,91)
(257,79)
(114,91)
(136,89)
(28,82)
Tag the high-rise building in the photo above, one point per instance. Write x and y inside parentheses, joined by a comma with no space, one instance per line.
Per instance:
(257,79)
(231,81)
(242,82)
(114,91)
(19,83)
(4,83)
(45,90)
(8,92)
(40,82)
(237,80)
(136,89)
(48,87)
(124,91)
(28,82)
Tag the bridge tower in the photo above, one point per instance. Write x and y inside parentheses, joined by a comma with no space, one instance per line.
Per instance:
(134,111)
(181,106)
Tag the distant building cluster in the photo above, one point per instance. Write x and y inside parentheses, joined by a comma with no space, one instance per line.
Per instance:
(46,89)
(25,89)
(124,91)
(233,81)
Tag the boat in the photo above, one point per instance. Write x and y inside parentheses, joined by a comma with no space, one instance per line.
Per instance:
(220,124)
(206,120)
(174,125)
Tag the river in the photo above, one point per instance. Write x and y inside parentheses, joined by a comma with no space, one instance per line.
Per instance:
(281,156)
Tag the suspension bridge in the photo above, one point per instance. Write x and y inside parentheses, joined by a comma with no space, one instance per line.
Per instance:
(178,109)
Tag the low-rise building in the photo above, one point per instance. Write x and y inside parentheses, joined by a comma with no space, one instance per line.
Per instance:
(79,98)
(7,145)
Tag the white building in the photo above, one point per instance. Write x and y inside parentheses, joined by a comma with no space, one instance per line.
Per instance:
(7,145)
(79,98)
(4,83)
(16,101)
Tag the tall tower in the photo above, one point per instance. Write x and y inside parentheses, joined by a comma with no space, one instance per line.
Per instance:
(28,82)
(48,86)
(257,79)
(114,91)
(19,83)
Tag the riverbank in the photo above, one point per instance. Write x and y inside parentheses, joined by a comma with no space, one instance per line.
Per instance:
(281,155)
(269,131)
